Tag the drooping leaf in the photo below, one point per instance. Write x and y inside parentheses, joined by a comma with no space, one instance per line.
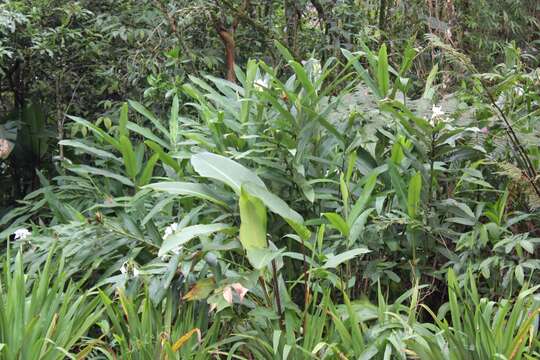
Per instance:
(184,235)
(253,221)
(273,202)
(225,170)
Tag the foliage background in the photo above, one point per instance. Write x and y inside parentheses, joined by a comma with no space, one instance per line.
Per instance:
(364,185)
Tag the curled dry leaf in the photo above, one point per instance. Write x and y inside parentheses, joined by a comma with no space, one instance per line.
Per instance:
(5,148)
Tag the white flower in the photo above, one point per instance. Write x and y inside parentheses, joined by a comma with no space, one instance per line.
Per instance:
(22,234)
(171,229)
(437,115)
(262,83)
(436,112)
(123,269)
(136,272)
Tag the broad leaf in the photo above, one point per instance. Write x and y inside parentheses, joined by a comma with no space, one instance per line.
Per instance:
(225,170)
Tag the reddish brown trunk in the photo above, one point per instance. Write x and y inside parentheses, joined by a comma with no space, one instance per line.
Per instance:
(228,41)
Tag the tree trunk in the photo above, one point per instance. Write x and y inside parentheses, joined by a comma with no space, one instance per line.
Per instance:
(227,37)
(292,19)
(382,15)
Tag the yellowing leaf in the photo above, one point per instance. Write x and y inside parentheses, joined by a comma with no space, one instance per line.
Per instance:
(200,290)
(180,342)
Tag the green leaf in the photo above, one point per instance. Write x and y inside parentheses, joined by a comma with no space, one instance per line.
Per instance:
(302,75)
(147,114)
(274,203)
(85,169)
(164,157)
(89,149)
(147,133)
(157,208)
(129,156)
(251,72)
(365,195)
(382,71)
(368,80)
(415,191)
(398,185)
(225,170)
(334,261)
(186,234)
(148,170)
(429,90)
(173,121)
(338,222)
(122,124)
(253,222)
(261,258)
(358,226)
(520,276)
(189,189)
(96,130)
(284,51)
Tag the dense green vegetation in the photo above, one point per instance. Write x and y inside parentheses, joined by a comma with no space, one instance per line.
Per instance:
(325,179)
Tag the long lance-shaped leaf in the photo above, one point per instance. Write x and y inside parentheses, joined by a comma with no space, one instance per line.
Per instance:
(186,234)
(189,189)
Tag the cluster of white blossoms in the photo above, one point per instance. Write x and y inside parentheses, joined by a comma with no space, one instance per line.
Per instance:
(169,230)
(124,269)
(437,115)
(22,234)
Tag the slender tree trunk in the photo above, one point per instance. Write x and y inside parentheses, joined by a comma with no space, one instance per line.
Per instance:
(227,37)
(382,14)
(292,19)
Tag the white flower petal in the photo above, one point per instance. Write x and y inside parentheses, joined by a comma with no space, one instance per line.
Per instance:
(22,234)
(436,112)
(171,229)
